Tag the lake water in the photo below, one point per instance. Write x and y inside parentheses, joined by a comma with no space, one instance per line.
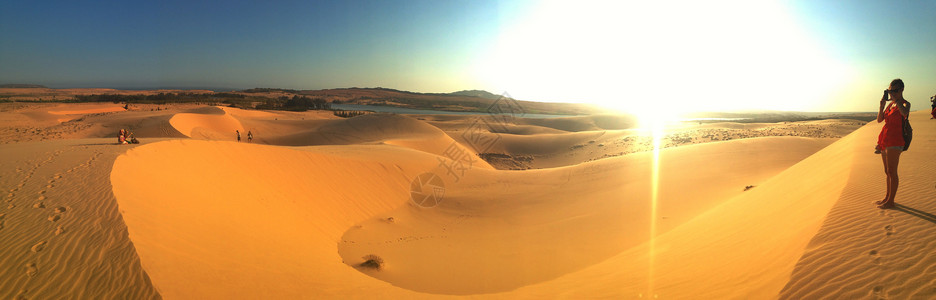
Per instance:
(400,110)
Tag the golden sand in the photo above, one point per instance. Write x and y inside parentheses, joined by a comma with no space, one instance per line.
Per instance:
(316,203)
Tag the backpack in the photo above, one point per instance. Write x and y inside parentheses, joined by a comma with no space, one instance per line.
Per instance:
(907,133)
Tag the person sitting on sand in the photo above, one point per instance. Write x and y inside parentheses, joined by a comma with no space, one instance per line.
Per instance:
(249,136)
(131,139)
(890,140)
(120,136)
(238,134)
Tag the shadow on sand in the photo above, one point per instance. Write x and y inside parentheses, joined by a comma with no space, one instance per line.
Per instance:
(916,213)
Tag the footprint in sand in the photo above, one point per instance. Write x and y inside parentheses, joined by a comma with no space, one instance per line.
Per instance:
(60,209)
(38,205)
(54,218)
(890,229)
(31,269)
(876,256)
(59,230)
(878,292)
(11,206)
(38,246)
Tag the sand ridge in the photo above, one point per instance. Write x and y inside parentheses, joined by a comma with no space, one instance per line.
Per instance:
(486,238)
(748,247)
(479,209)
(294,219)
(62,233)
(746,210)
(861,252)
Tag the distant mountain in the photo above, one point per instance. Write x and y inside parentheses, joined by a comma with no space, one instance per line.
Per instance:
(476,93)
(463,101)
(21,86)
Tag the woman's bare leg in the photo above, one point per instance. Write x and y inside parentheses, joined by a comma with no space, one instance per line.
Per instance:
(893,181)
(886,178)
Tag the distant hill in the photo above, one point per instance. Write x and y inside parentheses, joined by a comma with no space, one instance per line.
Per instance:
(21,86)
(476,93)
(464,101)
(272,98)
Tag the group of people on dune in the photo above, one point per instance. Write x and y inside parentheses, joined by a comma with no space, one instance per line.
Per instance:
(895,136)
(249,136)
(126,137)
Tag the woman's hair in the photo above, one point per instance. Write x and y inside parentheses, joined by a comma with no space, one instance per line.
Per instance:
(897,83)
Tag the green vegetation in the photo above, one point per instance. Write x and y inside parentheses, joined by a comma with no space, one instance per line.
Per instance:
(303,103)
(22,86)
(229,99)
(350,113)
(269,90)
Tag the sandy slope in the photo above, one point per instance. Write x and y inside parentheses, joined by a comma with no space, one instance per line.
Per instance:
(862,252)
(85,108)
(208,123)
(291,205)
(555,149)
(310,213)
(62,234)
(747,247)
(495,230)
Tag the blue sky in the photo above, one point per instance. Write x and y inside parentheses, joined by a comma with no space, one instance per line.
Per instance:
(297,44)
(629,55)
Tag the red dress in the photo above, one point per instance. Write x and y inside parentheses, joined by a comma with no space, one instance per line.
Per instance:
(892,133)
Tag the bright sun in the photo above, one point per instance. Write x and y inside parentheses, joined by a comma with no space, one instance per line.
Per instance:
(684,56)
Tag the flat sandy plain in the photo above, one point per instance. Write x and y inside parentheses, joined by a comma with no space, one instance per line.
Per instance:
(396,206)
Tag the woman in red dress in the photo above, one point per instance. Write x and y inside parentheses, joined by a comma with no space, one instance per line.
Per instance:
(890,141)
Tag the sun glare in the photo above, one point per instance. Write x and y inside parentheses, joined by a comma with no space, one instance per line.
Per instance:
(690,55)
(658,60)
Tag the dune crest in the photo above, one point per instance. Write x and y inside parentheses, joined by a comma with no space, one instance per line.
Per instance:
(210,123)
(293,219)
(748,247)
(330,206)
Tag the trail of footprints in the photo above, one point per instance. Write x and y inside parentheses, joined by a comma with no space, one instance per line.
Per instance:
(27,176)
(878,291)
(57,213)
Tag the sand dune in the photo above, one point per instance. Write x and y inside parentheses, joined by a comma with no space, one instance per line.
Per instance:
(520,125)
(752,211)
(211,123)
(549,150)
(481,239)
(749,246)
(293,219)
(487,239)
(861,252)
(62,233)
(83,109)
(379,129)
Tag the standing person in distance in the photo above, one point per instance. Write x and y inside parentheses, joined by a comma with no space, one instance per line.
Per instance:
(933,112)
